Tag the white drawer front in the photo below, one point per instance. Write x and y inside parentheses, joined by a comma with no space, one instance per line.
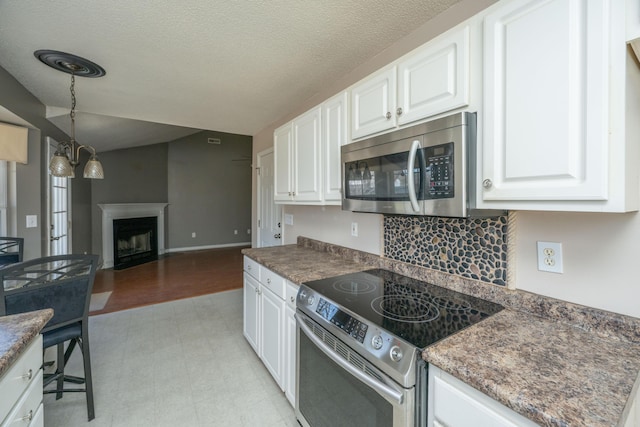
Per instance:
(276,284)
(15,381)
(292,292)
(27,407)
(252,267)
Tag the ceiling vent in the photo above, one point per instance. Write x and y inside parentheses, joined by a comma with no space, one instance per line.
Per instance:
(215,141)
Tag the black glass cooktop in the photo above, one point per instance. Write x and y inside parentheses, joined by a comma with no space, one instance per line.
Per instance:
(418,312)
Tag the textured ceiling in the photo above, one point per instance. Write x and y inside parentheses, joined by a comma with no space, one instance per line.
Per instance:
(230,66)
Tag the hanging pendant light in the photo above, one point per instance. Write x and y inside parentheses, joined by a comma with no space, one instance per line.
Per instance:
(67,155)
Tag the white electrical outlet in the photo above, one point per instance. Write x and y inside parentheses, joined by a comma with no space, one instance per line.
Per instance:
(193,234)
(32,221)
(235,231)
(288,219)
(354,229)
(248,231)
(550,257)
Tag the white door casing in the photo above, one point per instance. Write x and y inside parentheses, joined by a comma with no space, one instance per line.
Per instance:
(269,213)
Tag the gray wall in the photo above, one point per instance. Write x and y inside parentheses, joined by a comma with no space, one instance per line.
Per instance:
(209,190)
(81,210)
(29,178)
(133,175)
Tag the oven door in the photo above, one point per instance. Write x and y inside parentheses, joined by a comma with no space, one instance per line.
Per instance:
(337,387)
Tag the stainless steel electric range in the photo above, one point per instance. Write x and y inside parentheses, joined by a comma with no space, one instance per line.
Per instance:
(360,336)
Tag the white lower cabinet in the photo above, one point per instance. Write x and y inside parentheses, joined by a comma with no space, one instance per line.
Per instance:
(290,343)
(268,323)
(21,389)
(452,403)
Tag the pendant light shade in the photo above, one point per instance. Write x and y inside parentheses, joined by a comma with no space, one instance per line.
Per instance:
(60,166)
(93,168)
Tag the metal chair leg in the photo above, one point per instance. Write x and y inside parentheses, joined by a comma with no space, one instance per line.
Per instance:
(61,362)
(86,357)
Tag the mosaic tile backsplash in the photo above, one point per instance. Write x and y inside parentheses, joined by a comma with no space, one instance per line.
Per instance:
(473,248)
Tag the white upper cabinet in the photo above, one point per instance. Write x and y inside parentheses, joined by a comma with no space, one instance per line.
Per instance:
(306,149)
(283,159)
(430,80)
(307,155)
(297,157)
(435,78)
(555,119)
(334,115)
(373,104)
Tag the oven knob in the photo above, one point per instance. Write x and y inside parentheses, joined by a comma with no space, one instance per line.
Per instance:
(376,342)
(303,294)
(396,353)
(311,300)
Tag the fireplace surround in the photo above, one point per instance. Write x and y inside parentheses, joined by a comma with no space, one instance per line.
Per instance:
(114,211)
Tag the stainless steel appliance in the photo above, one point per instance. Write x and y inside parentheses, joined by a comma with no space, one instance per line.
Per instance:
(360,337)
(427,169)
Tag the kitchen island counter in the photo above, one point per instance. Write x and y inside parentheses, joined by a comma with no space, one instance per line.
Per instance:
(16,333)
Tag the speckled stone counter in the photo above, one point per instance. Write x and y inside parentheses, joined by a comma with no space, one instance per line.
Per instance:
(17,331)
(301,264)
(556,363)
(552,373)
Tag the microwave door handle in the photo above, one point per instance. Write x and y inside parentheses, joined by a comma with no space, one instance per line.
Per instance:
(387,390)
(410,178)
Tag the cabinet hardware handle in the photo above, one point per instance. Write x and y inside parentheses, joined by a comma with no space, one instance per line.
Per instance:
(292,299)
(399,111)
(487,183)
(28,417)
(268,280)
(388,116)
(28,375)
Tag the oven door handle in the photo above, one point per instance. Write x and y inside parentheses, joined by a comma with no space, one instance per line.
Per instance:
(388,391)
(411,176)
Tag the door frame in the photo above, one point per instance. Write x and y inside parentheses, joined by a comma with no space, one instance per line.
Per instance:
(259,201)
(51,146)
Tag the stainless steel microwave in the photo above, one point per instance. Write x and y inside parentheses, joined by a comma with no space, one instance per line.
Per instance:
(427,169)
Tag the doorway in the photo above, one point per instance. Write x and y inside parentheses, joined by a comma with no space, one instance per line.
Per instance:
(59,198)
(269,213)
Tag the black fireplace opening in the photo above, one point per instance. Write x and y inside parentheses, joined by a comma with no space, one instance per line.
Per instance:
(135,241)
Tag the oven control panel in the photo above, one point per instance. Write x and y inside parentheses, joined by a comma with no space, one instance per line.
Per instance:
(351,326)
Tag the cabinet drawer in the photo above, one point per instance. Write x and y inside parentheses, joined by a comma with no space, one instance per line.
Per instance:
(292,292)
(16,380)
(252,267)
(271,280)
(27,407)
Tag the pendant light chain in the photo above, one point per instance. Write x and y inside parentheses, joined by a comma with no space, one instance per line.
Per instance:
(72,114)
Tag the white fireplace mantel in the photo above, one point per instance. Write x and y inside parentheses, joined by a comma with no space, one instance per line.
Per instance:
(113,211)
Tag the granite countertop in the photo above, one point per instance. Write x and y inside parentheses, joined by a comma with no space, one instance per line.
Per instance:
(552,373)
(557,371)
(300,264)
(16,333)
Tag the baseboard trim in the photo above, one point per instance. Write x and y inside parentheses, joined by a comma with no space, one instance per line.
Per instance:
(199,248)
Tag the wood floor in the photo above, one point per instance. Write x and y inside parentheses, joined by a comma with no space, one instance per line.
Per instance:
(175,276)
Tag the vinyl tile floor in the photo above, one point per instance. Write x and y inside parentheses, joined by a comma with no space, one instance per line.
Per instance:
(180,363)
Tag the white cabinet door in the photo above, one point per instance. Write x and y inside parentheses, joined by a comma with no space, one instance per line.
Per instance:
(290,343)
(545,101)
(251,307)
(272,334)
(290,356)
(307,139)
(373,104)
(283,159)
(453,403)
(334,115)
(435,78)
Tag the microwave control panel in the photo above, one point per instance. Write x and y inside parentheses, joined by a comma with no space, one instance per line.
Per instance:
(439,167)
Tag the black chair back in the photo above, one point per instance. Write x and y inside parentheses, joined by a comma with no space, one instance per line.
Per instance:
(11,250)
(62,282)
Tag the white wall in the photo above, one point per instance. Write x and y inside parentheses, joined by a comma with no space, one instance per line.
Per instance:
(601,258)
(333,225)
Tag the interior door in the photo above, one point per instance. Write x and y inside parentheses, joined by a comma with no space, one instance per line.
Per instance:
(269,213)
(59,218)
